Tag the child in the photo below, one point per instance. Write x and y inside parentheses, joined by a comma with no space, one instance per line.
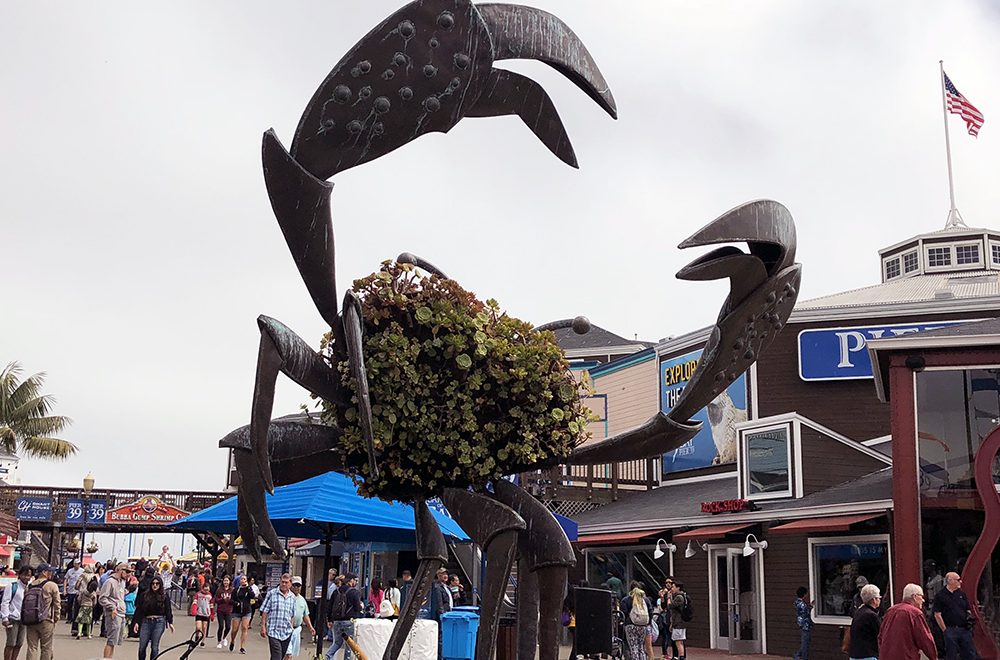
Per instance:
(85,600)
(203,610)
(130,607)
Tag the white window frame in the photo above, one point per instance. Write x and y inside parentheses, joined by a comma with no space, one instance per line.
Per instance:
(979,262)
(916,255)
(994,244)
(939,246)
(843,540)
(899,267)
(743,473)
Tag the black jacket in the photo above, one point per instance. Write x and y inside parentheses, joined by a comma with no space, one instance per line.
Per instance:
(148,604)
(864,633)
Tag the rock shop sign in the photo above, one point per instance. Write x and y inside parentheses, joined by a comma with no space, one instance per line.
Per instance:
(148,510)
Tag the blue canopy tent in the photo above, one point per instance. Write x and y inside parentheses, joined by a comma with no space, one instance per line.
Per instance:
(308,509)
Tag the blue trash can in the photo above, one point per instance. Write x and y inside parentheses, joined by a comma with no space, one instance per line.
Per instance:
(458,634)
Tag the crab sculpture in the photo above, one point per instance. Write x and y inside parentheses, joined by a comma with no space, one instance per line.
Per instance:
(421,70)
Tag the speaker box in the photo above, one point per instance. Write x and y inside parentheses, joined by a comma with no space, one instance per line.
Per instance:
(593,621)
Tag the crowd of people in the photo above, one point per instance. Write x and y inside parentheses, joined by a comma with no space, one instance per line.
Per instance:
(903,631)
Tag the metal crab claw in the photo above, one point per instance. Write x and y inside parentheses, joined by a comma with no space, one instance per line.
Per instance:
(764,285)
(429,65)
(423,264)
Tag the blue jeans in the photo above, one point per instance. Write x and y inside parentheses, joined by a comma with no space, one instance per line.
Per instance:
(339,628)
(958,641)
(805,637)
(149,635)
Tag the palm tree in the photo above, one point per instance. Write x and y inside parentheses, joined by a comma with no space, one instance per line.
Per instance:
(25,424)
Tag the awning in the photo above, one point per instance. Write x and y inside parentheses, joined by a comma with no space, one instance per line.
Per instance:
(831,524)
(711,531)
(620,537)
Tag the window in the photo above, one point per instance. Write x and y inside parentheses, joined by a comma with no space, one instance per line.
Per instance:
(891,268)
(995,250)
(967,254)
(767,459)
(836,563)
(938,256)
(910,261)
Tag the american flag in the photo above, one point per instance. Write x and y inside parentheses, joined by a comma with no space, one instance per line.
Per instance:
(959,105)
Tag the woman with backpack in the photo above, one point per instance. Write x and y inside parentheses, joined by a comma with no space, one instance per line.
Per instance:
(242,611)
(638,615)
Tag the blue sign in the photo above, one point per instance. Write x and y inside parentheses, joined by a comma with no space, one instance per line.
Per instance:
(33,508)
(97,508)
(715,443)
(842,353)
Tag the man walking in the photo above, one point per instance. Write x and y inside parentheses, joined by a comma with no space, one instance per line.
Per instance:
(440,600)
(404,587)
(953,615)
(904,632)
(276,617)
(678,626)
(865,626)
(10,613)
(112,601)
(803,618)
(73,576)
(345,606)
(40,613)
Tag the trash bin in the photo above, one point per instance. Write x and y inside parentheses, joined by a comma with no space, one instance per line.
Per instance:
(458,635)
(507,639)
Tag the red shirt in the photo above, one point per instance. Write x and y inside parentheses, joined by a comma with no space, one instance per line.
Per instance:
(904,633)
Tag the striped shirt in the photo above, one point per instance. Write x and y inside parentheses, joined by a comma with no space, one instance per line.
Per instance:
(280,608)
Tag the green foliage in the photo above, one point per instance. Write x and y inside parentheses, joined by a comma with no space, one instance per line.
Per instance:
(461,393)
(25,423)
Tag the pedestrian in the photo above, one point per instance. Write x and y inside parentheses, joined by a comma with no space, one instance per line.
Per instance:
(953,615)
(99,573)
(224,610)
(406,579)
(153,614)
(192,587)
(865,625)
(615,586)
(904,634)
(638,612)
(457,590)
(803,618)
(394,595)
(345,606)
(70,581)
(112,601)
(255,598)
(40,610)
(10,613)
(663,606)
(276,618)
(242,612)
(131,591)
(440,598)
(300,616)
(203,611)
(87,600)
(375,595)
(678,627)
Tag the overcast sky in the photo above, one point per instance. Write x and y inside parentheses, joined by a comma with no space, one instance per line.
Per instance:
(139,246)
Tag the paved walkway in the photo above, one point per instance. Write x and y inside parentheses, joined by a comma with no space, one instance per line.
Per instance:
(67,648)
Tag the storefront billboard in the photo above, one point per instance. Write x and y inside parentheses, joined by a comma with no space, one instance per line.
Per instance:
(842,353)
(716,442)
(38,509)
(96,509)
(148,510)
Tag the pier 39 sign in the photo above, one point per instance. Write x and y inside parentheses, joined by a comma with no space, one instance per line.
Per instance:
(842,353)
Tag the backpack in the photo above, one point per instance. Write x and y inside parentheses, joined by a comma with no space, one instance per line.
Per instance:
(687,613)
(639,614)
(33,607)
(92,585)
(338,605)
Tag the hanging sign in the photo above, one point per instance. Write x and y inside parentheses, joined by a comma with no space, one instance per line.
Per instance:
(34,508)
(95,513)
(148,510)
(726,506)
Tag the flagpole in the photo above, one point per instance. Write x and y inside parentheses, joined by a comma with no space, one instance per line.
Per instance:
(953,211)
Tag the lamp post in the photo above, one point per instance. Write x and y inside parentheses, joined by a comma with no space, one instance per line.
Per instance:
(88,486)
(149,544)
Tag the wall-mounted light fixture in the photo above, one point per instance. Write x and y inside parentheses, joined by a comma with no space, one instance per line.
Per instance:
(750,548)
(691,551)
(668,547)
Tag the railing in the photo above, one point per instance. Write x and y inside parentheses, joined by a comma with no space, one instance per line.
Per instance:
(185,500)
(593,481)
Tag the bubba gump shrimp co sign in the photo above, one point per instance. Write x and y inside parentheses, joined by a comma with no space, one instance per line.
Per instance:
(148,510)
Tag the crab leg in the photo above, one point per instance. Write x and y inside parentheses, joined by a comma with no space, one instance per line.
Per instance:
(356,360)
(494,527)
(410,258)
(432,553)
(547,556)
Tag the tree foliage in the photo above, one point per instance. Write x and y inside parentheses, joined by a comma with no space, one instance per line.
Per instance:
(461,392)
(26,427)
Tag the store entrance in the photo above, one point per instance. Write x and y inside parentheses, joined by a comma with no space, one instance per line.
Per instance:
(735,595)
